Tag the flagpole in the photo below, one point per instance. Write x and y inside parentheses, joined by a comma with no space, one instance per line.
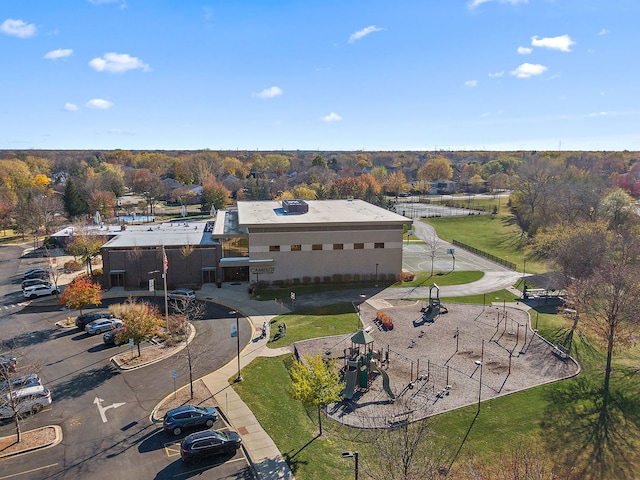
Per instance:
(165,267)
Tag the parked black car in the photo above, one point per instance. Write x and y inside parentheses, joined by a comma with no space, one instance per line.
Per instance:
(87,318)
(206,443)
(38,273)
(35,281)
(189,416)
(110,338)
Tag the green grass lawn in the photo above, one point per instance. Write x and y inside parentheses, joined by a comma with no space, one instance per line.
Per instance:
(424,279)
(564,418)
(491,233)
(335,319)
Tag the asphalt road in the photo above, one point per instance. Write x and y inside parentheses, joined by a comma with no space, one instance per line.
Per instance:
(76,367)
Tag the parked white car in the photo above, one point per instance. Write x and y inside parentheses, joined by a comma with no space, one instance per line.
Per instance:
(182,294)
(29,399)
(36,291)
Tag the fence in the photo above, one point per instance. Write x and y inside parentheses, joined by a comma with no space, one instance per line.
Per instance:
(488,256)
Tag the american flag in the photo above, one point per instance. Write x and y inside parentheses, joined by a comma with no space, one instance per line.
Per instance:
(165,261)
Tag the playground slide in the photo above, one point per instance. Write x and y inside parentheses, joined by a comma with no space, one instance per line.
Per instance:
(431,313)
(351,376)
(385,380)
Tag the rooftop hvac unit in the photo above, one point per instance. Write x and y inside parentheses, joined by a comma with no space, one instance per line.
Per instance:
(295,206)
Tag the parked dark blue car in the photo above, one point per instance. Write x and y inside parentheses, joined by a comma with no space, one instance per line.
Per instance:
(189,416)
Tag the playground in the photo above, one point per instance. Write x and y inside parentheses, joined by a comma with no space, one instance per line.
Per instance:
(414,359)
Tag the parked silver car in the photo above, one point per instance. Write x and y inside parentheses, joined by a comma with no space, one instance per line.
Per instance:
(102,325)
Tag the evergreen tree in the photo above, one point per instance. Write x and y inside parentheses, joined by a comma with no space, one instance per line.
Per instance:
(74,205)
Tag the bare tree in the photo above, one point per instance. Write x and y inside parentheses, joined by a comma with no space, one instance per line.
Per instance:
(186,312)
(405,451)
(11,404)
(433,245)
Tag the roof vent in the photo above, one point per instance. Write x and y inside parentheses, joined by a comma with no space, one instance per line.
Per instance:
(295,206)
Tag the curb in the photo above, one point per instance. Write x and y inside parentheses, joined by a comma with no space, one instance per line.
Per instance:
(58,438)
(119,366)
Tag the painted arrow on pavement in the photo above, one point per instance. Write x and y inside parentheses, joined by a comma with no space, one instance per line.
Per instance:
(102,410)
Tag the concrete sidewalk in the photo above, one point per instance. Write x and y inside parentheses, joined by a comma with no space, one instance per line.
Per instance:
(262,451)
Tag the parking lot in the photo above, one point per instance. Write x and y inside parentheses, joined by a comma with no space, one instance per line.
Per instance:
(104,413)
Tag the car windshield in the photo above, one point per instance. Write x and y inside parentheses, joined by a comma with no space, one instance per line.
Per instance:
(200,409)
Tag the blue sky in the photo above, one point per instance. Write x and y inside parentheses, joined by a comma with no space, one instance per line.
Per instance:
(327,75)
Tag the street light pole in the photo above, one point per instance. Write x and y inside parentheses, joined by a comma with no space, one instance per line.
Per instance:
(376,275)
(239,377)
(355,457)
(479,363)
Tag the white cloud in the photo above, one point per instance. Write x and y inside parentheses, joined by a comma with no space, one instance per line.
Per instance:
(476,3)
(364,32)
(70,107)
(562,42)
(471,83)
(332,117)
(527,70)
(604,31)
(18,28)
(59,53)
(269,93)
(118,63)
(99,103)
(496,74)
(524,50)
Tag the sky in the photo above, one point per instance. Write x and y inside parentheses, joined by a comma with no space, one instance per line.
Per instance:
(320,75)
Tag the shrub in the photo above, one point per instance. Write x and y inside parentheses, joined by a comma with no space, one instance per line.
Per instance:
(317,279)
(306,280)
(337,278)
(326,279)
(348,278)
(73,265)
(356,277)
(407,276)
(385,320)
(296,281)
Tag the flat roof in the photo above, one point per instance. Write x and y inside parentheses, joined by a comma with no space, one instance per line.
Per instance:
(158,234)
(321,212)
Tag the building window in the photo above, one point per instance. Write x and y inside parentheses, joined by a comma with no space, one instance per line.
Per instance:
(379,245)
(274,248)
(338,246)
(358,246)
(296,248)
(316,246)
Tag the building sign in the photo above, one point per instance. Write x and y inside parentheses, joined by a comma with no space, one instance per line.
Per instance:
(261,270)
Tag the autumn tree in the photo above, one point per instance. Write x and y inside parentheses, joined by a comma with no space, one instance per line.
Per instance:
(618,209)
(315,383)
(438,168)
(213,195)
(141,320)
(576,250)
(80,293)
(397,183)
(85,245)
(103,202)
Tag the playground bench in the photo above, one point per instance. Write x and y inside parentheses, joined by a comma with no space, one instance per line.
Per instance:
(560,351)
